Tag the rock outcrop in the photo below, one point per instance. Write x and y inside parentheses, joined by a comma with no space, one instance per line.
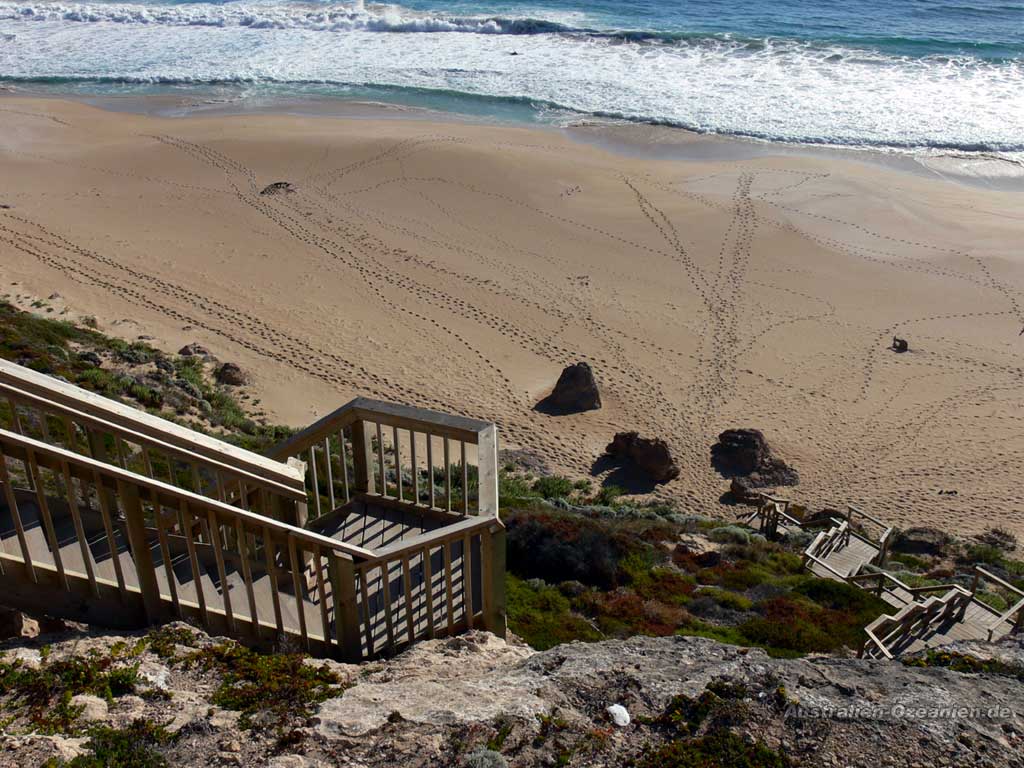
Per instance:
(745,453)
(584,705)
(278,188)
(651,455)
(922,541)
(576,390)
(231,375)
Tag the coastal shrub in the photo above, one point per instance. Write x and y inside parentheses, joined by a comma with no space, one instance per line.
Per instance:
(965,663)
(608,495)
(730,534)
(731,600)
(484,758)
(720,749)
(45,693)
(553,487)
(542,616)
(136,745)
(278,687)
(562,546)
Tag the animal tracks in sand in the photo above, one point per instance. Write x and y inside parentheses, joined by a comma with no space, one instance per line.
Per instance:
(451,269)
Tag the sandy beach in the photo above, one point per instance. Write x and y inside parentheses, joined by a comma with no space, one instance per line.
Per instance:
(460,267)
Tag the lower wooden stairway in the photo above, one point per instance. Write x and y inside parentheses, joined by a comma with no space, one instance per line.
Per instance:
(924,617)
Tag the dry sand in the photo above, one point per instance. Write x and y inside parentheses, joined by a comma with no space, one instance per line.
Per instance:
(460,267)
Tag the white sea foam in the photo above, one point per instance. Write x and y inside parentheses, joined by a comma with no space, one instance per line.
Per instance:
(772,89)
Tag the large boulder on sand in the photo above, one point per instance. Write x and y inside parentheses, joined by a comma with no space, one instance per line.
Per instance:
(230,374)
(745,453)
(649,454)
(576,389)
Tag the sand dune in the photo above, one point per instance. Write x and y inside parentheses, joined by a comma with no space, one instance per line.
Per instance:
(460,267)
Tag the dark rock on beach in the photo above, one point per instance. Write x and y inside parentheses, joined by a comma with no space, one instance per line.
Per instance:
(576,390)
(652,455)
(230,374)
(278,188)
(745,453)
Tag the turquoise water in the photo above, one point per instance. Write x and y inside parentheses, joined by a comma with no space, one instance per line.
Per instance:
(904,74)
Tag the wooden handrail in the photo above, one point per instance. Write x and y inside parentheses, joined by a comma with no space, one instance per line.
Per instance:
(235,513)
(19,381)
(435,537)
(293,489)
(389,414)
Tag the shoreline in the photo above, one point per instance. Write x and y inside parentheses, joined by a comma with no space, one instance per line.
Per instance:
(461,267)
(631,139)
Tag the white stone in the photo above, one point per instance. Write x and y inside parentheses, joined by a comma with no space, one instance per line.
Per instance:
(157,675)
(619,715)
(224,718)
(29,657)
(94,708)
(293,761)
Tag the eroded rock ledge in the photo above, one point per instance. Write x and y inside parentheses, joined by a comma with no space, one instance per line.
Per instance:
(444,700)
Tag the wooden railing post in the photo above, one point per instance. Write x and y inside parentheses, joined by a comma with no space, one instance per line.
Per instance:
(362,458)
(495,617)
(487,472)
(141,553)
(342,573)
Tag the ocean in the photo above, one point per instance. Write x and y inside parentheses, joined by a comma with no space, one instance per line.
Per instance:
(902,75)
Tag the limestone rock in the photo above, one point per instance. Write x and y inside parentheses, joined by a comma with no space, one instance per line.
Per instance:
(576,390)
(94,709)
(652,455)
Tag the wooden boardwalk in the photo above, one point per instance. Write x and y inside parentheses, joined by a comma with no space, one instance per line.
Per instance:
(354,539)
(924,617)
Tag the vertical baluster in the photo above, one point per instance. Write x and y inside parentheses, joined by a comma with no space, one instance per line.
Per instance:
(430,466)
(380,457)
(197,485)
(45,427)
(415,468)
(218,554)
(12,504)
(300,606)
(119,447)
(76,519)
(449,592)
(428,581)
(398,461)
(108,528)
(385,569)
(44,510)
(467,580)
(410,621)
(270,563)
(465,479)
(147,461)
(69,428)
(344,463)
(193,559)
(165,554)
(313,479)
(243,553)
(321,589)
(447,475)
(15,418)
(329,471)
(367,616)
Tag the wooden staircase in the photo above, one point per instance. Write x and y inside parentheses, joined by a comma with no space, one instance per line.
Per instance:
(925,617)
(119,518)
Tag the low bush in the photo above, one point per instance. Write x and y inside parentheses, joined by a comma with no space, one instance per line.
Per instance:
(281,687)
